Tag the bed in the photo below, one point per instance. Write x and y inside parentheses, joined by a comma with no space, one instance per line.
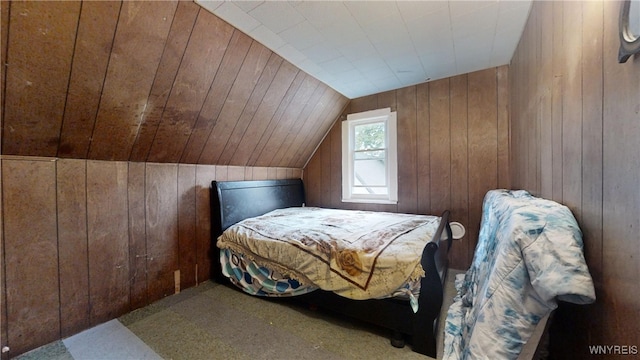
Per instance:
(238,207)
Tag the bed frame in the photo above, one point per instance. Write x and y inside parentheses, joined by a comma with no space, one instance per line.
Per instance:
(233,201)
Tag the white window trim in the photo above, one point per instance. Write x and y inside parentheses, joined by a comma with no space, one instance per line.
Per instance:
(390,118)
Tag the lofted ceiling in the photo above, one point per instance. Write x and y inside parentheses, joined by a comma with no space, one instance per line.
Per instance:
(173,82)
(364,47)
(153,81)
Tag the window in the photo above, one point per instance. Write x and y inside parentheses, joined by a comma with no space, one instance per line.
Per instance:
(369,157)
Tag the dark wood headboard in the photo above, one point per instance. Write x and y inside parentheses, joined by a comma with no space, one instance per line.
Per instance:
(233,201)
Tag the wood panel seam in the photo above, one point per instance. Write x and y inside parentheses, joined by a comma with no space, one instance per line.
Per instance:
(66,98)
(106,72)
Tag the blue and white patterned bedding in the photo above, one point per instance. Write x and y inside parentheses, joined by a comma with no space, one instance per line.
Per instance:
(529,255)
(259,280)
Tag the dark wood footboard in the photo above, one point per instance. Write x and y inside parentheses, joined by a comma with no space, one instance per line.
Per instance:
(419,328)
(435,262)
(232,201)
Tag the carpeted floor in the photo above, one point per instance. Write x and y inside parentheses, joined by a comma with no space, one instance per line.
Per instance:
(211,321)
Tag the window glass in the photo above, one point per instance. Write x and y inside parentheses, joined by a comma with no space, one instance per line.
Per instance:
(370,136)
(370,168)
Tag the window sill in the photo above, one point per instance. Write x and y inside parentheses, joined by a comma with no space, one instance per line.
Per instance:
(371,201)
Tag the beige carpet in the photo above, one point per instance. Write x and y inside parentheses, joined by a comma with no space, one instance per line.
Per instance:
(211,321)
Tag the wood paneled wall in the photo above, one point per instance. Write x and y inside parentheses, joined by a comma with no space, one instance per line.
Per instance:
(4,20)
(86,241)
(453,146)
(153,81)
(575,130)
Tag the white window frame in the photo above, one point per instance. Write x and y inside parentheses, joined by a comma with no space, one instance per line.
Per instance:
(348,144)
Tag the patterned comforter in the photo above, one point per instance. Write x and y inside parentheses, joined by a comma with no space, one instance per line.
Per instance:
(529,255)
(356,254)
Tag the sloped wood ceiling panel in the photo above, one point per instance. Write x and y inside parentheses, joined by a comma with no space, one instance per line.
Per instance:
(163,81)
(41,46)
(137,49)
(91,58)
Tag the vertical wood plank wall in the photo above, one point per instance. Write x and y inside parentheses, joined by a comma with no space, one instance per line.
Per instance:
(87,240)
(32,281)
(450,150)
(575,128)
(4,17)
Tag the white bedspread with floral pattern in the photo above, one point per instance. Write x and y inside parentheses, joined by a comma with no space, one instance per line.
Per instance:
(529,255)
(357,254)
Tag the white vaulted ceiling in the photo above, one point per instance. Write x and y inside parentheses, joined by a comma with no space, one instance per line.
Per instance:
(365,47)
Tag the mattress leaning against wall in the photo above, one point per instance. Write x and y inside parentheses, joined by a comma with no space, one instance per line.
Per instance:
(529,256)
